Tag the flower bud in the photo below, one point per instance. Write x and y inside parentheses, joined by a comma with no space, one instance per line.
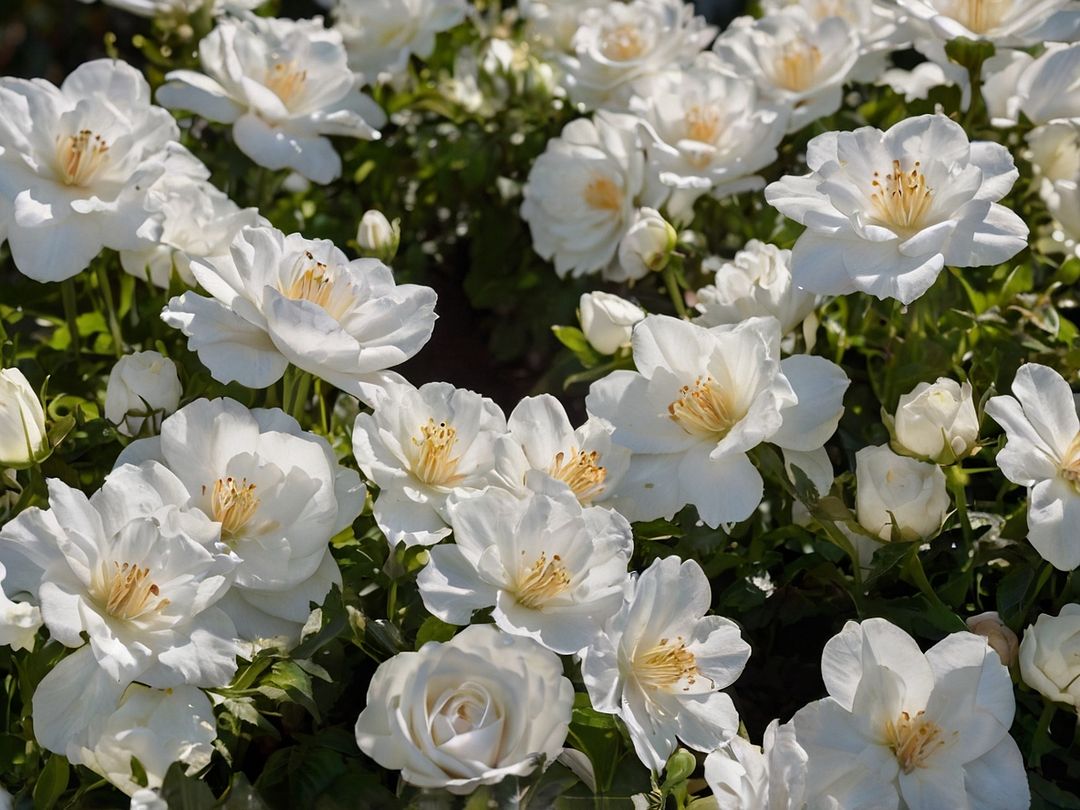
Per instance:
(892,488)
(1050,656)
(607,320)
(22,421)
(1001,639)
(378,238)
(937,421)
(142,386)
(646,247)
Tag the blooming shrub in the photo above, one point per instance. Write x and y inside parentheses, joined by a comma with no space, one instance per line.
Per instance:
(552,404)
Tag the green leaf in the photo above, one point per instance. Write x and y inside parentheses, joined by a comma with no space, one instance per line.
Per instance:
(574,339)
(51,782)
(183,792)
(434,629)
(138,773)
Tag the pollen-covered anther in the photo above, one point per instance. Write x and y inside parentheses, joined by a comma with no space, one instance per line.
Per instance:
(623,43)
(80,157)
(233,504)
(542,581)
(127,592)
(902,199)
(580,471)
(797,66)
(668,664)
(602,193)
(315,281)
(287,80)
(704,409)
(435,462)
(913,740)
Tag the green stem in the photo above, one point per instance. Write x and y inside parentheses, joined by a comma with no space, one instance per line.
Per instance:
(674,290)
(1042,731)
(916,572)
(957,486)
(110,311)
(71,313)
(296,384)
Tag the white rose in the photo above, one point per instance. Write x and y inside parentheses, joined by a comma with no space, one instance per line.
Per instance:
(142,386)
(469,712)
(144,799)
(378,238)
(938,421)
(1001,639)
(892,487)
(608,320)
(1050,655)
(22,420)
(646,247)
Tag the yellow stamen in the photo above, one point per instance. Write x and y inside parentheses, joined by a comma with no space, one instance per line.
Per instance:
(666,664)
(622,43)
(579,470)
(903,199)
(796,69)
(128,592)
(913,740)
(704,409)
(436,465)
(317,282)
(702,123)
(233,504)
(542,581)
(602,193)
(286,80)
(80,157)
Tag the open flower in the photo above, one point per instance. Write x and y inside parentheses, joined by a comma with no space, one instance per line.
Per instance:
(1055,154)
(143,387)
(552,570)
(284,85)
(796,60)
(757,282)
(583,192)
(618,43)
(1004,22)
(284,299)
(420,446)
(709,132)
(134,573)
(278,494)
(540,438)
(661,663)
(886,211)
(468,712)
(700,399)
(773,777)
(931,730)
(156,8)
(155,727)
(1042,453)
(551,24)
(381,35)
(1050,655)
(75,165)
(22,421)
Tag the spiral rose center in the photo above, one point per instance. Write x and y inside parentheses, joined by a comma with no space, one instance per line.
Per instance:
(542,581)
(797,66)
(287,80)
(435,463)
(901,199)
(127,592)
(579,471)
(623,43)
(913,740)
(232,504)
(80,157)
(704,409)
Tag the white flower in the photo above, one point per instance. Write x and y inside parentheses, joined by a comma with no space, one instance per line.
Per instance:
(199,223)
(469,712)
(584,190)
(621,42)
(661,663)
(381,35)
(378,239)
(928,731)
(285,299)
(1043,454)
(1001,639)
(143,387)
(645,247)
(795,60)
(157,727)
(745,777)
(937,421)
(420,446)
(1005,22)
(918,82)
(899,492)
(551,24)
(278,494)
(1055,153)
(22,421)
(708,132)
(1050,655)
(552,570)
(134,573)
(1048,88)
(75,165)
(886,211)
(147,799)
(757,282)
(19,621)
(541,440)
(284,85)
(700,399)
(157,8)
(608,320)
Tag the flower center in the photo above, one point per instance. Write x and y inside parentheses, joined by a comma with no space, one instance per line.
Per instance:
(128,592)
(435,464)
(80,157)
(1070,463)
(602,193)
(704,409)
(622,43)
(543,581)
(666,664)
(287,80)
(913,740)
(315,281)
(980,16)
(579,471)
(796,69)
(902,199)
(232,504)
(702,123)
